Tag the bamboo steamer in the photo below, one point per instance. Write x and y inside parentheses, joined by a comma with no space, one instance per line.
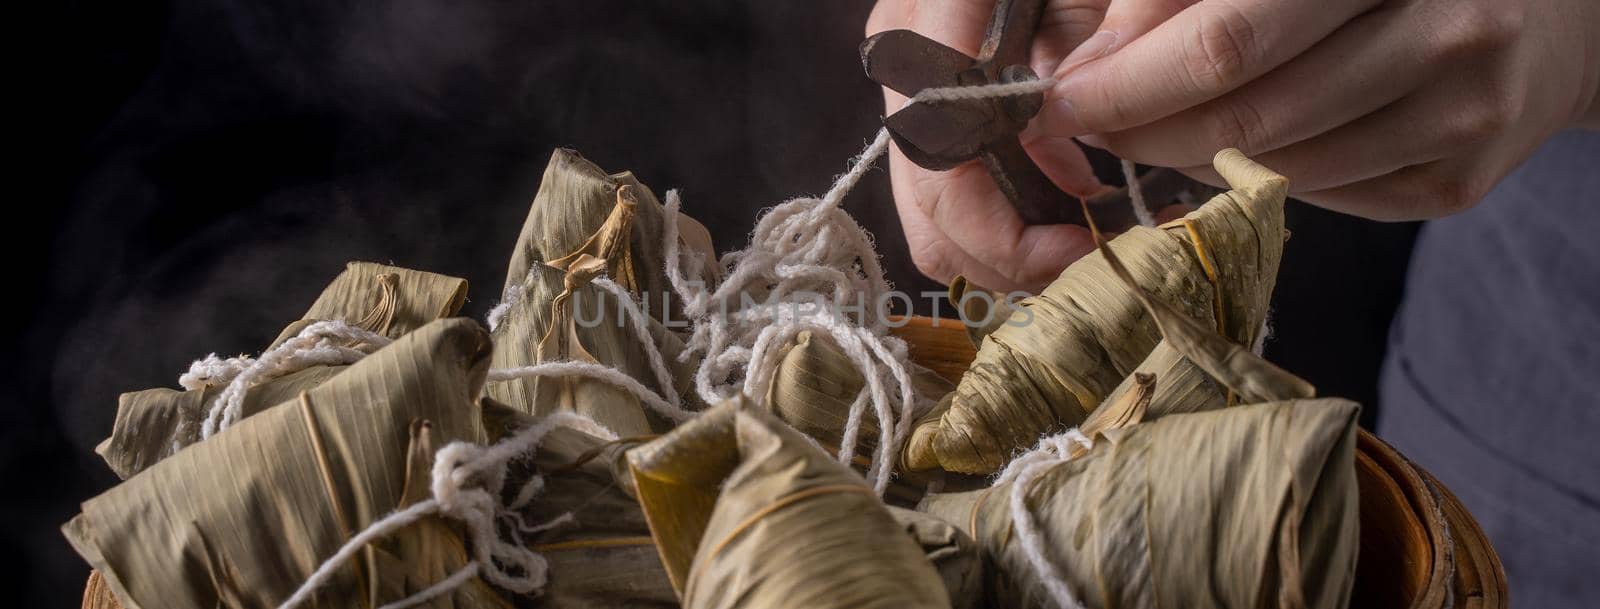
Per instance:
(1420,549)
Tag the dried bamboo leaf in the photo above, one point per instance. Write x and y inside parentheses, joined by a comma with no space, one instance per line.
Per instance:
(1180,385)
(388,300)
(953,553)
(154,423)
(241,519)
(746,512)
(575,201)
(983,310)
(1126,410)
(1256,379)
(1244,507)
(1063,351)
(608,249)
(591,329)
(815,383)
(813,387)
(604,557)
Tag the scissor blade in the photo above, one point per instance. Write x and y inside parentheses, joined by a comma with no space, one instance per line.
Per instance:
(908,62)
(944,134)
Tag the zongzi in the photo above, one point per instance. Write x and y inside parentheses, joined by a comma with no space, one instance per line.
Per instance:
(1061,352)
(576,200)
(746,512)
(814,387)
(242,519)
(562,317)
(1245,507)
(601,553)
(386,300)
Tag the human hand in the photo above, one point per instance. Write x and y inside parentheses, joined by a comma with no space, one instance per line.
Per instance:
(957,221)
(1389,110)
(1393,110)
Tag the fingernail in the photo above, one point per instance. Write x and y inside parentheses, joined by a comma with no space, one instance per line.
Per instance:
(1093,48)
(1059,118)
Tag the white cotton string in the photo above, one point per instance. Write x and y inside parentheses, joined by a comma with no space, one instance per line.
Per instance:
(508,299)
(641,331)
(212,371)
(1262,334)
(1027,87)
(690,299)
(858,168)
(798,236)
(868,353)
(810,246)
(1130,173)
(444,586)
(316,345)
(467,484)
(376,531)
(803,245)
(598,372)
(1020,473)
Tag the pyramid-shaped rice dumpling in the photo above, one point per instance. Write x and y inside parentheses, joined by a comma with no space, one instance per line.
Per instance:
(1062,352)
(1243,507)
(576,200)
(387,300)
(747,512)
(603,556)
(243,518)
(562,316)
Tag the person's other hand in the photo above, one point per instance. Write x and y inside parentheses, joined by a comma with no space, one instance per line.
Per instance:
(1394,110)
(1390,110)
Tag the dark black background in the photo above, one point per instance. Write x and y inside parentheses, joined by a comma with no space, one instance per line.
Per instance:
(197,170)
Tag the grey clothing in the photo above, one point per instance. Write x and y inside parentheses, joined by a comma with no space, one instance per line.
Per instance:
(1492,379)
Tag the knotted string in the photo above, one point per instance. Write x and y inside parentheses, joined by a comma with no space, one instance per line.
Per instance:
(811,246)
(806,245)
(319,344)
(468,480)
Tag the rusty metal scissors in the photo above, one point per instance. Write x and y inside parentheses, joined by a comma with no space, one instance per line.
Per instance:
(940,135)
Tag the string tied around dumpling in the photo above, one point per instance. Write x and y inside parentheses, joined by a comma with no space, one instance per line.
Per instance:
(667,403)
(468,484)
(805,245)
(807,263)
(324,343)
(809,247)
(212,371)
(1021,473)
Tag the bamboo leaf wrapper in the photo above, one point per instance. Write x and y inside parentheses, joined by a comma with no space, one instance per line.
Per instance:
(387,300)
(1242,507)
(241,519)
(747,512)
(1063,352)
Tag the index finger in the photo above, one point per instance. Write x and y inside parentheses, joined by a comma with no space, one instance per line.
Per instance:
(1206,50)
